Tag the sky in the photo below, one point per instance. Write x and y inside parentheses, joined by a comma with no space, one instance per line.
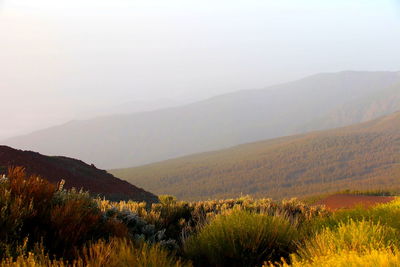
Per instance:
(71,59)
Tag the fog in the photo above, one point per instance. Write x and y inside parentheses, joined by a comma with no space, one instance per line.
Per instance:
(70,59)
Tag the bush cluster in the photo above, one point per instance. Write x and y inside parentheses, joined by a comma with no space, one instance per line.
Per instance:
(242,238)
(181,218)
(45,225)
(35,213)
(32,209)
(355,237)
(115,252)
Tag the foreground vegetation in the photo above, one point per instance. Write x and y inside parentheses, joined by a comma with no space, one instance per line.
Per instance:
(44,225)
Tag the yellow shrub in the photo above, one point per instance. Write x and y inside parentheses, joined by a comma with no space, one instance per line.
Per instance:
(359,237)
(116,253)
(121,253)
(374,258)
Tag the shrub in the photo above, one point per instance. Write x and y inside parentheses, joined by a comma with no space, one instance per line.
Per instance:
(374,258)
(24,204)
(113,253)
(172,216)
(120,253)
(32,260)
(360,237)
(386,214)
(180,218)
(139,230)
(241,231)
(13,213)
(242,238)
(63,220)
(72,223)
(30,188)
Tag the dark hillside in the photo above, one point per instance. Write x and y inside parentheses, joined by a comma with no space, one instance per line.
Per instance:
(76,173)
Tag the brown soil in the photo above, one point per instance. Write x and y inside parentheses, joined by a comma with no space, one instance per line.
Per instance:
(76,174)
(343,201)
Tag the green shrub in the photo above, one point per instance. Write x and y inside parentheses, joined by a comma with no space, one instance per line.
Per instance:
(386,214)
(242,238)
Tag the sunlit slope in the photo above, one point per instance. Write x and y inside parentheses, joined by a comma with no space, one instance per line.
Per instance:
(219,122)
(363,156)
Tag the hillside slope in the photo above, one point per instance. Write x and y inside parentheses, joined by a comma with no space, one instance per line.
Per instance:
(216,123)
(75,173)
(364,109)
(363,156)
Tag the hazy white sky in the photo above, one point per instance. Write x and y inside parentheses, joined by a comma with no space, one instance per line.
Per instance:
(61,58)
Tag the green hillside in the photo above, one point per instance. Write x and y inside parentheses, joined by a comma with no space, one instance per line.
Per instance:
(363,156)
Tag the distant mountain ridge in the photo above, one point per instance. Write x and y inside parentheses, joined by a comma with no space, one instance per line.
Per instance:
(76,174)
(317,102)
(364,109)
(365,156)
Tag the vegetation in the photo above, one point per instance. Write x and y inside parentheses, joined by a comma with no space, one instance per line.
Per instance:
(361,157)
(314,199)
(113,253)
(241,238)
(360,237)
(45,225)
(380,257)
(76,173)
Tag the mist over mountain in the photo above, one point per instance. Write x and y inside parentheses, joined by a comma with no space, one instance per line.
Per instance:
(134,106)
(318,102)
(363,109)
(359,157)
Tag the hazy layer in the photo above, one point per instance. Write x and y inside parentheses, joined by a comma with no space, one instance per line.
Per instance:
(317,102)
(68,59)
